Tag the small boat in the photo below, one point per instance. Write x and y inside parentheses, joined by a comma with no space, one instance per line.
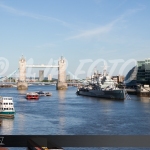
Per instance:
(41,93)
(6,107)
(48,94)
(32,95)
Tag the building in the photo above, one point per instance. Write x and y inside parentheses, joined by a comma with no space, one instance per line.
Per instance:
(115,79)
(121,79)
(131,77)
(41,75)
(45,79)
(139,74)
(143,74)
(22,69)
(36,79)
(118,79)
(68,77)
(49,77)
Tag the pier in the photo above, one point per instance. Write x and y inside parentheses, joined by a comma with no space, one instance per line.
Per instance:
(5,85)
(14,84)
(143,91)
(143,94)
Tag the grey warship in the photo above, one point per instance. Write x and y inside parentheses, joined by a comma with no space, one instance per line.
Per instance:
(102,86)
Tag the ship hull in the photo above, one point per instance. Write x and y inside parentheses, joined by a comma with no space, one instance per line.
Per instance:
(29,97)
(32,96)
(7,114)
(115,94)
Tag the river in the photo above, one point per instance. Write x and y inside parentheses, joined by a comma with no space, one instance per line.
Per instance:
(65,113)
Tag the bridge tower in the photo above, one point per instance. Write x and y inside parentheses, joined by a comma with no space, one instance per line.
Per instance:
(22,84)
(61,84)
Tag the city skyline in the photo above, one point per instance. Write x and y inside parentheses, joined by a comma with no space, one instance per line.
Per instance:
(78,30)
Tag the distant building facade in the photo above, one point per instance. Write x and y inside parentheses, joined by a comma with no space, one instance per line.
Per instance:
(68,77)
(115,79)
(49,77)
(118,79)
(36,79)
(131,77)
(121,79)
(45,79)
(139,74)
(143,74)
(41,75)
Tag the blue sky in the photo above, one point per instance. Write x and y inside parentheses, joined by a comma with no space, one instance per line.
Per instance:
(76,29)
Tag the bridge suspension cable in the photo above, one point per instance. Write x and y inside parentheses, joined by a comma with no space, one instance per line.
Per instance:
(8,76)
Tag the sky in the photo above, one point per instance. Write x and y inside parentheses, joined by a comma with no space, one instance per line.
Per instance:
(85,32)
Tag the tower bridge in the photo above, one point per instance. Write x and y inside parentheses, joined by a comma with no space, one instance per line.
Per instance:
(61,84)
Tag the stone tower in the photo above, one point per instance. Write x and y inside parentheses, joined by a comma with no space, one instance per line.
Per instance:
(61,84)
(22,84)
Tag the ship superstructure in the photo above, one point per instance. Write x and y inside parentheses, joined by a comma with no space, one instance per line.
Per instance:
(6,107)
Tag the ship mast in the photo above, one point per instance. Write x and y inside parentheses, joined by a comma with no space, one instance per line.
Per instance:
(105,71)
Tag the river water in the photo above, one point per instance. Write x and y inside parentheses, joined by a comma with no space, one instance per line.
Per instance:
(65,113)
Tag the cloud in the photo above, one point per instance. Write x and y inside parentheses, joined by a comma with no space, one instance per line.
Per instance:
(96,31)
(106,28)
(133,11)
(31,15)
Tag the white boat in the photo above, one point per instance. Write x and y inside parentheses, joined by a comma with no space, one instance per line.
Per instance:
(6,107)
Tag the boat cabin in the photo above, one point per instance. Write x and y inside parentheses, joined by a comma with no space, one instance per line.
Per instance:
(6,106)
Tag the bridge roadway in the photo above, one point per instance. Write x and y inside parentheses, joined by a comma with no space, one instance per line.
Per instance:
(14,83)
(42,66)
(40,83)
